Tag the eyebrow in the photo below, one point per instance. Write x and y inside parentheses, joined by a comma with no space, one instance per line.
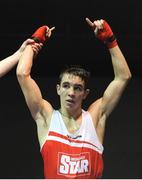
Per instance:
(80,85)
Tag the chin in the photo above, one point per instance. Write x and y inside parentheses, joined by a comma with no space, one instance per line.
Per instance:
(70,106)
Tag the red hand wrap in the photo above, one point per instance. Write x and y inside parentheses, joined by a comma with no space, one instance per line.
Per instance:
(106,35)
(40,34)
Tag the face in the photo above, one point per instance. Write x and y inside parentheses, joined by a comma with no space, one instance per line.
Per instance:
(71,91)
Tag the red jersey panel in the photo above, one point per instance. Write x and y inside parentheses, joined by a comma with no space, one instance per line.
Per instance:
(67,155)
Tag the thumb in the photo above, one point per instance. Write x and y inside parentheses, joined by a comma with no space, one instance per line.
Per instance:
(28,41)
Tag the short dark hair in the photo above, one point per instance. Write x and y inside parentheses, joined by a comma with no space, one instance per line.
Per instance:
(76,70)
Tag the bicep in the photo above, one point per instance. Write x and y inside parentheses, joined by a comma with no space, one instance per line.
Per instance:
(101,108)
(32,94)
(111,96)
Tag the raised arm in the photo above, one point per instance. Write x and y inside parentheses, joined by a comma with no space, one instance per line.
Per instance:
(8,63)
(29,87)
(122,74)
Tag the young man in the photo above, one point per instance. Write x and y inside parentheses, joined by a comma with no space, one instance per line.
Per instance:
(71,138)
(8,63)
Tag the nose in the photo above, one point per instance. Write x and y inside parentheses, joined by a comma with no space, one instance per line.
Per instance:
(71,91)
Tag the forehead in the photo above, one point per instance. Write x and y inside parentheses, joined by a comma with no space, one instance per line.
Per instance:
(72,79)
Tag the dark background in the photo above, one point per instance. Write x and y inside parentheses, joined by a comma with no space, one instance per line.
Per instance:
(72,43)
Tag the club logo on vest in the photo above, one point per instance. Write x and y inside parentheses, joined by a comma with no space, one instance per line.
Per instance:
(74,164)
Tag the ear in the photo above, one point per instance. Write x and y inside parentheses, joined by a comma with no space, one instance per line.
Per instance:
(58,89)
(86,93)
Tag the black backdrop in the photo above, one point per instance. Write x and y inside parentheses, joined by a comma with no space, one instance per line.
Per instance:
(72,43)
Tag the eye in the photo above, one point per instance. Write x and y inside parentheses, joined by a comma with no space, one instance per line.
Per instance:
(78,88)
(66,85)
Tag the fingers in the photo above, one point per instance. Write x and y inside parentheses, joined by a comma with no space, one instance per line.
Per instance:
(36,47)
(51,29)
(89,22)
(99,24)
(96,25)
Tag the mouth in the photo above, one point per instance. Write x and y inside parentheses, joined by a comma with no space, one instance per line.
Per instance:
(70,101)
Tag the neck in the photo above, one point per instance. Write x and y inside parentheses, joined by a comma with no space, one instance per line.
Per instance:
(72,121)
(70,115)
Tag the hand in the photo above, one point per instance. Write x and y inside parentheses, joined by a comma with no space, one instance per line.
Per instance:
(35,46)
(49,31)
(42,34)
(103,32)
